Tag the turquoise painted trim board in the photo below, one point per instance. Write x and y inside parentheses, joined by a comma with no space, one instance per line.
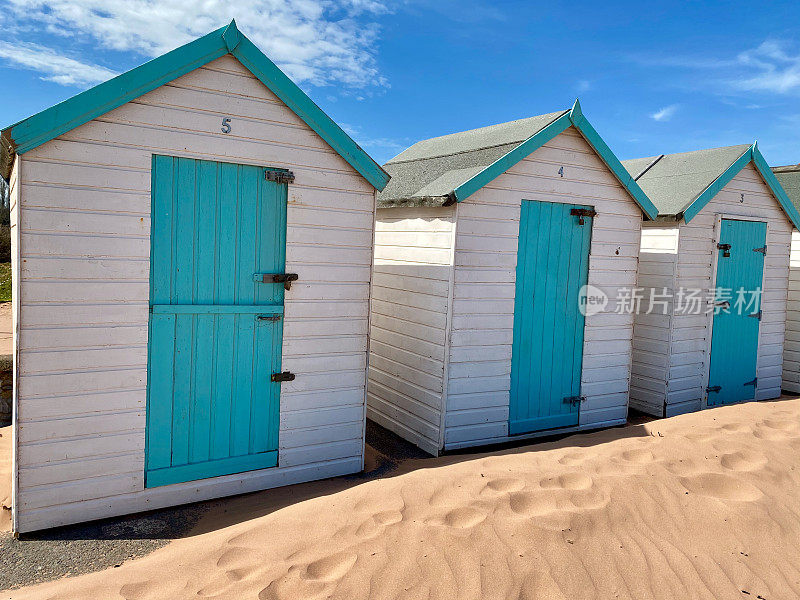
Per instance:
(571,118)
(56,120)
(752,155)
(734,333)
(215,333)
(547,347)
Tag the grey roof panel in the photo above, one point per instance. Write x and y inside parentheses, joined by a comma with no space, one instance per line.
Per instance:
(789,178)
(436,167)
(676,180)
(474,139)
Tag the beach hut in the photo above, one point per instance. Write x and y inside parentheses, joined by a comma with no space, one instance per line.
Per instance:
(485,240)
(789,178)
(192,245)
(716,262)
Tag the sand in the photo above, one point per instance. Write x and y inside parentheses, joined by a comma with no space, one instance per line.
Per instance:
(699,506)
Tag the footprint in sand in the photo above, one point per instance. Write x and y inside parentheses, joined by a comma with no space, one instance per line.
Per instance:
(235,557)
(639,456)
(312,581)
(464,517)
(568,481)
(330,568)
(742,460)
(571,459)
(150,590)
(722,487)
(736,427)
(781,425)
(505,485)
(700,436)
(770,434)
(682,467)
(533,504)
(376,524)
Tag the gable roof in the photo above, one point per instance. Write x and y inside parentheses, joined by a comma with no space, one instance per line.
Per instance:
(69,114)
(680,185)
(444,170)
(789,178)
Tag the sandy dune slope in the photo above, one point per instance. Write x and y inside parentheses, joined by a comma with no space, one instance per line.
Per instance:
(698,506)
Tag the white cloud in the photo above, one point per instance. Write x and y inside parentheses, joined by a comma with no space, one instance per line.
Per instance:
(321,42)
(375,143)
(53,66)
(770,67)
(776,70)
(666,113)
(583,85)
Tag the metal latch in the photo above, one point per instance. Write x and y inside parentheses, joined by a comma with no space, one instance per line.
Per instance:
(713,388)
(763,250)
(285,376)
(753,383)
(573,400)
(726,249)
(279,176)
(268,318)
(756,315)
(581,213)
(285,278)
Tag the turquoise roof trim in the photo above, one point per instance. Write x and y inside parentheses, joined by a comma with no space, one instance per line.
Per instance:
(571,118)
(753,154)
(69,114)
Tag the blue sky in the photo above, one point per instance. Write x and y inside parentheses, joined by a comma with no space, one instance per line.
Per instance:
(653,78)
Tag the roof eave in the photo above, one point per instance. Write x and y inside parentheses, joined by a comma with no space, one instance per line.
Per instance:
(415,201)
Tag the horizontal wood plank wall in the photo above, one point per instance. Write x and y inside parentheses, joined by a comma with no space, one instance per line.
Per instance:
(410,300)
(483,301)
(653,328)
(791,350)
(696,252)
(85,264)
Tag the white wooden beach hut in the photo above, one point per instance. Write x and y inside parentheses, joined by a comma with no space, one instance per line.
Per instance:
(192,245)
(789,178)
(719,252)
(484,240)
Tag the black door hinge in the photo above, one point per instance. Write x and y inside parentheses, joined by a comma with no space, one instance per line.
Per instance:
(272,318)
(713,388)
(763,250)
(573,400)
(754,383)
(756,315)
(726,249)
(581,213)
(285,278)
(285,376)
(279,176)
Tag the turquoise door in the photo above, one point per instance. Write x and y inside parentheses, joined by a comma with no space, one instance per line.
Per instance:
(215,329)
(734,333)
(547,352)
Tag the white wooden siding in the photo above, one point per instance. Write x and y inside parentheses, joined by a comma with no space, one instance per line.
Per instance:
(487,231)
(690,342)
(653,328)
(791,350)
(409,322)
(14,205)
(85,224)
